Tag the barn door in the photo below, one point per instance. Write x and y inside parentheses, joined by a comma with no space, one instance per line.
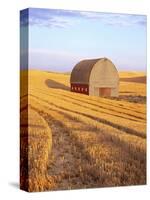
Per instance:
(105,92)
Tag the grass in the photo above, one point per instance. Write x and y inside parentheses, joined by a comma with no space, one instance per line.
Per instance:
(79,141)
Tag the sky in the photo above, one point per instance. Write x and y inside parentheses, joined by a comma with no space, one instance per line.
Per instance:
(58,39)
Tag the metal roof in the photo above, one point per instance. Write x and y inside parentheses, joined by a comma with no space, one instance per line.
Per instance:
(81,71)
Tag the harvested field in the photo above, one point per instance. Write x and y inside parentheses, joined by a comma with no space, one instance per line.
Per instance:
(79,141)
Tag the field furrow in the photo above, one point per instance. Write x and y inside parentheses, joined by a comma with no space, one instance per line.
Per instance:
(86,153)
(98,108)
(71,140)
(132,142)
(95,115)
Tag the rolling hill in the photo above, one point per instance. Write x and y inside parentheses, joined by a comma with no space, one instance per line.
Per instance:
(96,142)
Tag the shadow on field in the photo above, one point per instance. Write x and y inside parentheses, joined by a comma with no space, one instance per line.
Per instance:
(129,98)
(54,84)
(139,79)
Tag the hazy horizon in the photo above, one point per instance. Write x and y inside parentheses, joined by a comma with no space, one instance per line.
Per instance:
(58,39)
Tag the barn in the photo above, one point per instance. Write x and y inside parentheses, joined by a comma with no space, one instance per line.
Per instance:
(96,77)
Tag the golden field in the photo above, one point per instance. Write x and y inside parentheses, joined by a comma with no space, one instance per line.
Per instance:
(78,141)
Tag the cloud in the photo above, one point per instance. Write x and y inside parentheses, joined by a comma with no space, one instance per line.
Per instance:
(116,19)
(62,18)
(48,17)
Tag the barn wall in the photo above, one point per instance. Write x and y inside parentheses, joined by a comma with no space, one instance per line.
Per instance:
(80,88)
(105,75)
(93,91)
(115,92)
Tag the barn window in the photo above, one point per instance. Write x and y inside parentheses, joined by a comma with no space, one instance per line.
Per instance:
(85,89)
(75,88)
(82,89)
(72,87)
(78,88)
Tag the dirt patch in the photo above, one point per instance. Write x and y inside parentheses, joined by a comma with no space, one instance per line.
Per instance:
(130,98)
